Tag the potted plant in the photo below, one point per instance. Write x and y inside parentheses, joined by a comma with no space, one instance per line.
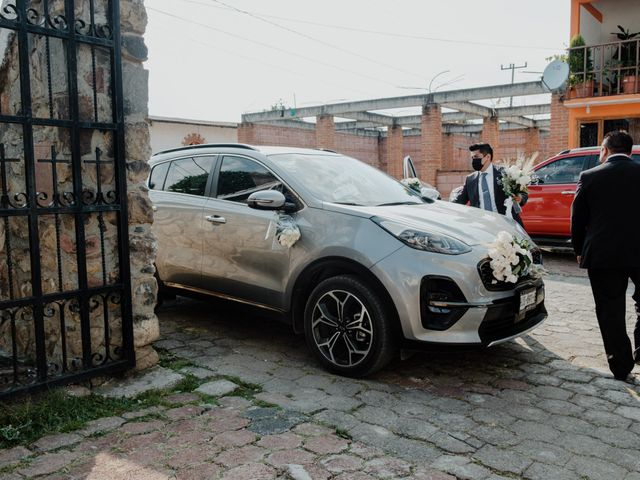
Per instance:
(628,60)
(580,69)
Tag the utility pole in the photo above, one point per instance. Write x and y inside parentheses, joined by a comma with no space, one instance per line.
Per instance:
(513,68)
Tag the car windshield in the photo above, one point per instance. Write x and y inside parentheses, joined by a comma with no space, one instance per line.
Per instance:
(345,180)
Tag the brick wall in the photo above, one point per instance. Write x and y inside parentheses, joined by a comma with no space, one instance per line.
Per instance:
(375,151)
(394,152)
(457,146)
(366,149)
(559,138)
(325,132)
(448,180)
(491,134)
(279,136)
(431,143)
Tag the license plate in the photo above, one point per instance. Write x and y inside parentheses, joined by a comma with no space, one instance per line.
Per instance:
(527,300)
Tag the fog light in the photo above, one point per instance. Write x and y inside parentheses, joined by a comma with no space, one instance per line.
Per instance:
(435,295)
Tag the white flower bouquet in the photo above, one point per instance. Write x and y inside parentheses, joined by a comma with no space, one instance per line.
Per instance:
(287,231)
(516,178)
(413,183)
(510,259)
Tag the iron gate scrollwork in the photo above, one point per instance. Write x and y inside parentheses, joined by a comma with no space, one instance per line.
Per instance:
(65,288)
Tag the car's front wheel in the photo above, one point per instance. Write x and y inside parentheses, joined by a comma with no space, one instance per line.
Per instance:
(349,327)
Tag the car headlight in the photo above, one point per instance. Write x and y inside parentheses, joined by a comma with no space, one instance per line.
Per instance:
(421,240)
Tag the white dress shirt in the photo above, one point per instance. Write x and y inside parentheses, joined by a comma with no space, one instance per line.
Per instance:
(490,172)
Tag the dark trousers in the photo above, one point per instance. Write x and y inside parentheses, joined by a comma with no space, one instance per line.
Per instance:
(609,288)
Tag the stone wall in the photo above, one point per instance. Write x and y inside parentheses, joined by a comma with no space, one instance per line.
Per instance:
(55,186)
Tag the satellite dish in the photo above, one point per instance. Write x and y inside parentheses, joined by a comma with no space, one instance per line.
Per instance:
(555,75)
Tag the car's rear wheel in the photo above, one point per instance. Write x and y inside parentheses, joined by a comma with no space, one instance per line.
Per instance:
(348,326)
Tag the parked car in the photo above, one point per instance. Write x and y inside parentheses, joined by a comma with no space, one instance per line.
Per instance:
(547,214)
(378,267)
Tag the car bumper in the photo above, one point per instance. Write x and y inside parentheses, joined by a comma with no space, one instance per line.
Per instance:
(482,318)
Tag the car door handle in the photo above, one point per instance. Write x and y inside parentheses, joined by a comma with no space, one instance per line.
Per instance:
(215,219)
(568,192)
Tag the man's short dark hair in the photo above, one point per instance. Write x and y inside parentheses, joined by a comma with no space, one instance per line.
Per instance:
(483,148)
(618,141)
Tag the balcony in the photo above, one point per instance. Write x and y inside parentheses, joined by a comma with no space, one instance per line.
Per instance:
(604,70)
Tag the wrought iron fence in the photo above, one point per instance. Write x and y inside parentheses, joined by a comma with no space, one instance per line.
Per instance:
(605,69)
(65,293)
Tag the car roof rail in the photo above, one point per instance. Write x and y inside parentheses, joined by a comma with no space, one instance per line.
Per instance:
(209,145)
(326,150)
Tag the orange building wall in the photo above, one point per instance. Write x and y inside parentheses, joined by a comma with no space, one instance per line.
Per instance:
(578,115)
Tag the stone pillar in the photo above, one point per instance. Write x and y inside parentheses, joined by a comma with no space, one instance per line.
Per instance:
(431,147)
(532,142)
(559,135)
(325,132)
(394,151)
(491,134)
(138,151)
(246,133)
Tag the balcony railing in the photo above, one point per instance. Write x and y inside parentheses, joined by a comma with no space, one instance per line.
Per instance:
(605,69)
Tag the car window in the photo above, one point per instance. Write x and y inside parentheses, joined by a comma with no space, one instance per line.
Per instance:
(564,170)
(636,157)
(158,174)
(188,175)
(239,177)
(339,179)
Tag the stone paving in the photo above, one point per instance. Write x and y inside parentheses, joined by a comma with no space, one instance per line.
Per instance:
(542,407)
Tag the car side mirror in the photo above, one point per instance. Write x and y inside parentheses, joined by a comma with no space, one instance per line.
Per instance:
(266,200)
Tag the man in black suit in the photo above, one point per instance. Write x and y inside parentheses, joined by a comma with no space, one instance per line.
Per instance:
(483,189)
(605,233)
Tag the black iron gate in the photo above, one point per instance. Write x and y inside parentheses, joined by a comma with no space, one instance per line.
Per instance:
(65,289)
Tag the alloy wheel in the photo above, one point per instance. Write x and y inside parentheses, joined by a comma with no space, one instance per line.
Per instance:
(342,328)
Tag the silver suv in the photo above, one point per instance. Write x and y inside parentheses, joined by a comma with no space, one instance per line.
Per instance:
(377,267)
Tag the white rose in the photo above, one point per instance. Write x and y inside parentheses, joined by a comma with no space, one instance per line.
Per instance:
(288,237)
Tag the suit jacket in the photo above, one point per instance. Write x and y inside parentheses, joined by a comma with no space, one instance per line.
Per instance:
(605,218)
(470,194)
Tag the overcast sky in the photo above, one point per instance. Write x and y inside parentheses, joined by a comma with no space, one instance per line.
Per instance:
(210,61)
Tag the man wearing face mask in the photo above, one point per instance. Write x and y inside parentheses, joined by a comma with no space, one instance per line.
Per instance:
(483,189)
(605,233)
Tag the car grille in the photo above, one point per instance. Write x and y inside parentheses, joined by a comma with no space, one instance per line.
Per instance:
(500,321)
(486,275)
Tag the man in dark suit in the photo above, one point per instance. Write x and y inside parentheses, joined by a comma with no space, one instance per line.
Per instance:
(605,233)
(482,189)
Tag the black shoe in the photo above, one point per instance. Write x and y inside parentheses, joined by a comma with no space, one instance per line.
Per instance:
(622,377)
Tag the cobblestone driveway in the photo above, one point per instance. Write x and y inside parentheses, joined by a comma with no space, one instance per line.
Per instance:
(542,407)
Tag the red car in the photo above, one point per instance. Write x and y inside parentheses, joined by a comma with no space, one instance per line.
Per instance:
(547,214)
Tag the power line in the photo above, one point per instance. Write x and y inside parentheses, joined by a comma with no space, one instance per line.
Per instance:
(315,61)
(387,33)
(255,59)
(317,40)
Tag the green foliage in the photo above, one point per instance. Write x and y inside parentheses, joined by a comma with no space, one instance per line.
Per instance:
(169,360)
(192,184)
(23,422)
(580,62)
(188,384)
(342,433)
(628,49)
(245,390)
